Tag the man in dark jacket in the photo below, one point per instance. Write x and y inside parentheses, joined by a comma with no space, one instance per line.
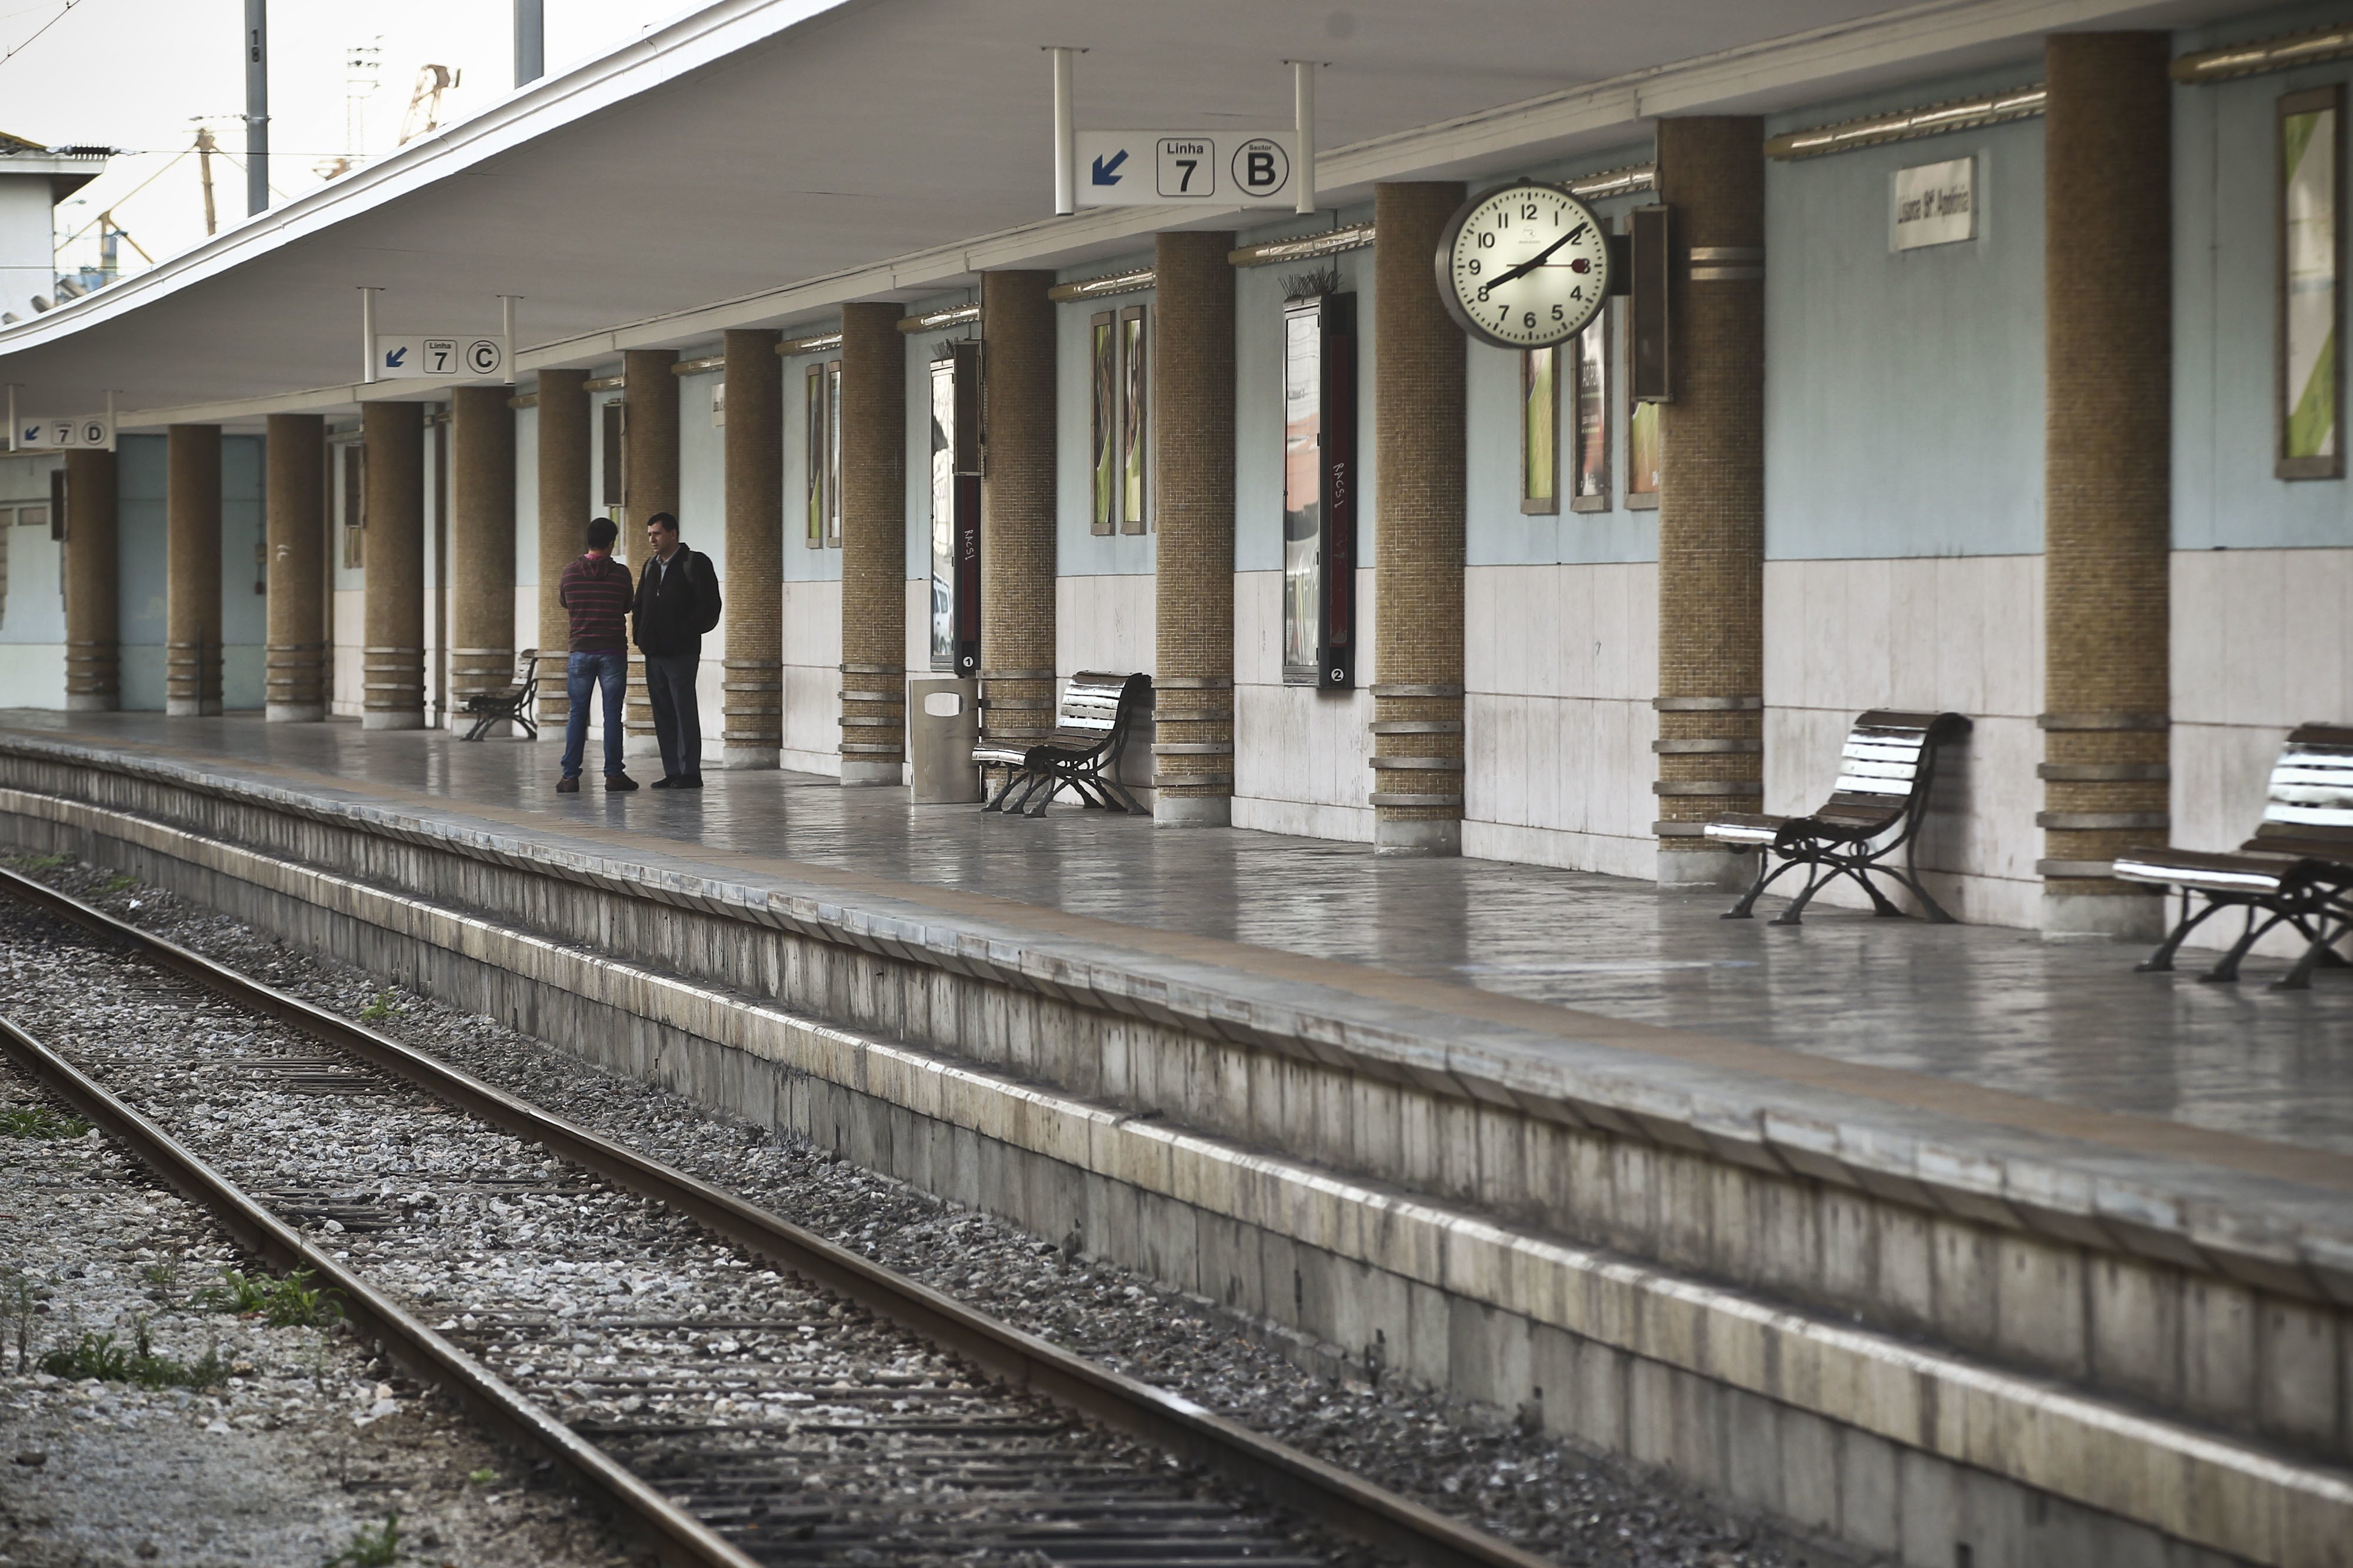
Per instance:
(677,601)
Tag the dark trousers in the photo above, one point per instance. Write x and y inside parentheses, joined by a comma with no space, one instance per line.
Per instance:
(678,722)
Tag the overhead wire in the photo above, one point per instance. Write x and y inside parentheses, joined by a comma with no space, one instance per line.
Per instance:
(44,28)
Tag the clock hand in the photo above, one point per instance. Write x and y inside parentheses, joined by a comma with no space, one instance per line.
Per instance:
(1538,260)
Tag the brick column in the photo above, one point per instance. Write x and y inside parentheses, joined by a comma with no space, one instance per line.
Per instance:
(192,585)
(562,519)
(1418,420)
(481,543)
(2107,456)
(754,688)
(392,653)
(1016,505)
(295,657)
(873,545)
(1192,403)
(648,485)
(94,628)
(1712,493)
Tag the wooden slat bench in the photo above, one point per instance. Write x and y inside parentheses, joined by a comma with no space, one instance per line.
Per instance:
(1876,807)
(2297,871)
(514,703)
(1091,729)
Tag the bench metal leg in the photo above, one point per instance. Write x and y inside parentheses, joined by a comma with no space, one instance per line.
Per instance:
(1815,882)
(997,802)
(2162,959)
(1768,872)
(2227,969)
(1048,786)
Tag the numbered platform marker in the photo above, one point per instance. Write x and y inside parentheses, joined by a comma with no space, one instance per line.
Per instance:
(440,359)
(1178,168)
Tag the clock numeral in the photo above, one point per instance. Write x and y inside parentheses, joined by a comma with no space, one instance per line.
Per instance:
(1486,240)
(1559,314)
(1474,267)
(1528,210)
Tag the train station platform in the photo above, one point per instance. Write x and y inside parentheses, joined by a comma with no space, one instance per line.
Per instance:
(2109,1214)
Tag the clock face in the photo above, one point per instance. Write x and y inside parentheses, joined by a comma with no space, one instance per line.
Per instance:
(1524,266)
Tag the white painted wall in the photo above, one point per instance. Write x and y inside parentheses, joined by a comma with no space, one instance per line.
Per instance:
(1953,633)
(2263,641)
(1300,752)
(813,671)
(26,204)
(1559,667)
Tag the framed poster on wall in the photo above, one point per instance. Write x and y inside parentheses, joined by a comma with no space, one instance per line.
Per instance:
(1590,366)
(1319,491)
(1540,430)
(2311,377)
(813,454)
(955,509)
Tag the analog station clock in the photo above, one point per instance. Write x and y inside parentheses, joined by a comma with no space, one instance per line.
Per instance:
(1524,267)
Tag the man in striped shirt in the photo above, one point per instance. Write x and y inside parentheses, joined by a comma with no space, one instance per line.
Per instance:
(596,590)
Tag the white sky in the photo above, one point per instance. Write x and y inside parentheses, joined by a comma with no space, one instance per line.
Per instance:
(140,73)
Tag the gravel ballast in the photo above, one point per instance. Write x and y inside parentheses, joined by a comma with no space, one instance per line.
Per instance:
(1484,1465)
(307,1441)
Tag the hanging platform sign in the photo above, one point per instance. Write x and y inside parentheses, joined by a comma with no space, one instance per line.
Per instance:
(90,431)
(1176,168)
(453,358)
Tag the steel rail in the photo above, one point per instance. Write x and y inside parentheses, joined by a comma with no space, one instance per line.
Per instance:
(1280,1473)
(678,1537)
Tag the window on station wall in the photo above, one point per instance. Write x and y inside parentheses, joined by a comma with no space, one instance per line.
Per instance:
(1540,430)
(1588,366)
(1115,376)
(2311,285)
(355,488)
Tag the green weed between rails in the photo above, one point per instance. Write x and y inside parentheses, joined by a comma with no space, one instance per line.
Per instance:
(36,864)
(98,1356)
(289,1303)
(39,1122)
(374,1546)
(381,1008)
(121,882)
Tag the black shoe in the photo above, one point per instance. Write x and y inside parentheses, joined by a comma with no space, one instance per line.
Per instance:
(567,786)
(692,780)
(665,782)
(615,783)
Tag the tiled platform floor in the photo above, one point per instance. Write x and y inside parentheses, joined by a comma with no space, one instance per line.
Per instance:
(2069,1022)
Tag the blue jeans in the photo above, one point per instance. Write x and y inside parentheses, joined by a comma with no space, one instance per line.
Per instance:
(587,670)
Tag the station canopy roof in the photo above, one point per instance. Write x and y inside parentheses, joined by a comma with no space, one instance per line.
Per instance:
(757,163)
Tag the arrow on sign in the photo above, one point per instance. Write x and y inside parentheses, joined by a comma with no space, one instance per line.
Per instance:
(1107,173)
(392,358)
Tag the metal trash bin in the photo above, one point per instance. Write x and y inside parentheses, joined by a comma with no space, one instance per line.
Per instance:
(943,727)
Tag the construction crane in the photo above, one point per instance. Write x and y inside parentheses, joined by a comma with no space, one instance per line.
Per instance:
(424,115)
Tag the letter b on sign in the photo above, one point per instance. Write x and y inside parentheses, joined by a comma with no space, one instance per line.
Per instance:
(1261,167)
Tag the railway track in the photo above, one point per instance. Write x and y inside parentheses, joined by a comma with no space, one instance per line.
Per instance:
(742,1390)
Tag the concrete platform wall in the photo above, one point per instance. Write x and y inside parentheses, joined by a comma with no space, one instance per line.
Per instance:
(1858,1354)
